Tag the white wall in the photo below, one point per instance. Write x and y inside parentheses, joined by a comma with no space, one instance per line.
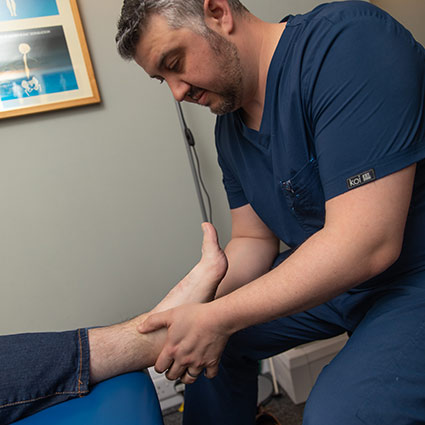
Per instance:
(98,213)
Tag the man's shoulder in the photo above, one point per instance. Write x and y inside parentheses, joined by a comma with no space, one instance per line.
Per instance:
(347,22)
(338,11)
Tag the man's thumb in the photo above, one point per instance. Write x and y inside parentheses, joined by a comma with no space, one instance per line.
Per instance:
(152,323)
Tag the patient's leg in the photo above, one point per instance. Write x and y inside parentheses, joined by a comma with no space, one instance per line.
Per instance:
(121,348)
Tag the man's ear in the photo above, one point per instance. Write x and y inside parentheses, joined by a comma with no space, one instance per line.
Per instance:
(218,16)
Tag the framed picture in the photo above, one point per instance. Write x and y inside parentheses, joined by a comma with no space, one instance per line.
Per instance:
(44,60)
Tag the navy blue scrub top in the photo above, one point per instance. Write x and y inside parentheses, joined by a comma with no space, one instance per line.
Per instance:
(344,106)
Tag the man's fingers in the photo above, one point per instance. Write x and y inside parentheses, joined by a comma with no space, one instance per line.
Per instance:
(211,372)
(153,323)
(175,371)
(191,375)
(163,363)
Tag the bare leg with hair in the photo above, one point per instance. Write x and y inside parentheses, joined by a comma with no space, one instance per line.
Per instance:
(121,348)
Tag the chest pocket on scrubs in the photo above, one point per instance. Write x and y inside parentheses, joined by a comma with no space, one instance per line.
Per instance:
(305,199)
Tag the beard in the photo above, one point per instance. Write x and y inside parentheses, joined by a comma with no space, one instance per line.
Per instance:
(229,81)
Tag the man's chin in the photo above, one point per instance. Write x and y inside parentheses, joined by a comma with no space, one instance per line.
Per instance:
(216,112)
(222,108)
(216,104)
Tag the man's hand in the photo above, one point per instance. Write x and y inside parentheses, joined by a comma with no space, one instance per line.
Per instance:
(195,341)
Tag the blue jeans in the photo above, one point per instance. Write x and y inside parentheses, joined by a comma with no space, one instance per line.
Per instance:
(41,369)
(378,377)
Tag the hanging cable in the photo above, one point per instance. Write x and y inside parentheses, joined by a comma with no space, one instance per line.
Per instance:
(210,218)
(195,165)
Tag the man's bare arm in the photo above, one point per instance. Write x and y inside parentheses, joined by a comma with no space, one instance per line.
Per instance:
(250,252)
(362,237)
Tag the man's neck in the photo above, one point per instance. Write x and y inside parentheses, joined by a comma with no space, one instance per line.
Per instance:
(266,37)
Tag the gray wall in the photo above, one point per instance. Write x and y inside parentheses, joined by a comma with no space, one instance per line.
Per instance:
(98,213)
(411,13)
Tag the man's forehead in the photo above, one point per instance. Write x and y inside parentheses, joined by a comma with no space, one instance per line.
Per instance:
(154,40)
(157,35)
(158,41)
(155,20)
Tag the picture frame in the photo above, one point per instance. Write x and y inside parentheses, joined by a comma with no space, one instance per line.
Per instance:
(44,63)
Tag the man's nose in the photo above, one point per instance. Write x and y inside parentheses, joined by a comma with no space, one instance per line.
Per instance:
(179,89)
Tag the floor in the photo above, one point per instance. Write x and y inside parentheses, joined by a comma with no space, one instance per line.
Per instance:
(280,406)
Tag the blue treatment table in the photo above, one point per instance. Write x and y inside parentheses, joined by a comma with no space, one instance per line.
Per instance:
(128,399)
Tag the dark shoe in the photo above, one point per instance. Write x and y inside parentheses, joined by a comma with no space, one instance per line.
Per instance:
(266,418)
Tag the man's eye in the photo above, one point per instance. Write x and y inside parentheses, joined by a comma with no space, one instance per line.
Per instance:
(174,66)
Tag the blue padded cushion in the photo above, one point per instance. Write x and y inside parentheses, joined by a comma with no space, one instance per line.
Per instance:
(128,399)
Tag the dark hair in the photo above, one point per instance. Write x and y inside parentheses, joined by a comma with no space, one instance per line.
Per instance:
(179,13)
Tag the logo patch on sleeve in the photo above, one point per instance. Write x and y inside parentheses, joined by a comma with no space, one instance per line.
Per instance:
(361,179)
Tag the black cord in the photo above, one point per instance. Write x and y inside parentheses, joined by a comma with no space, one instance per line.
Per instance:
(191,143)
(201,182)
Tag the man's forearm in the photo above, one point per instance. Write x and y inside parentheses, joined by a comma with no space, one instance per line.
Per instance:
(361,238)
(248,259)
(323,267)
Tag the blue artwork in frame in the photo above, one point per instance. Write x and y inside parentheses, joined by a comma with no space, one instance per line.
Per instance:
(24,9)
(38,62)
(44,60)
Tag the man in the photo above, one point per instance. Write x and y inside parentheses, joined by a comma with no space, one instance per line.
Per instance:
(42,369)
(321,140)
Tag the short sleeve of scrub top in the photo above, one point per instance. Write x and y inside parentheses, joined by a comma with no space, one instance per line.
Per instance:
(365,96)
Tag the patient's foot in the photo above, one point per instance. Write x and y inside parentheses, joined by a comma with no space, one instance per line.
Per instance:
(121,348)
(202,281)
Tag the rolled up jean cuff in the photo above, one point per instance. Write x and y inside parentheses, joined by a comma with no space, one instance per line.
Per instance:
(39,370)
